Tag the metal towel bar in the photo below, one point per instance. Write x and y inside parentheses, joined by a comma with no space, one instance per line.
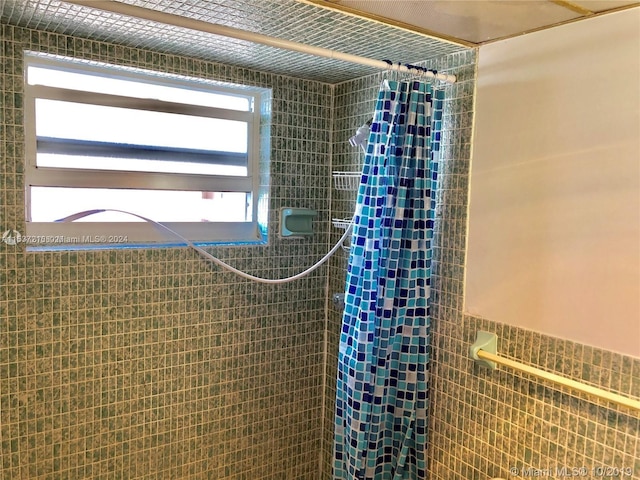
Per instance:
(484,352)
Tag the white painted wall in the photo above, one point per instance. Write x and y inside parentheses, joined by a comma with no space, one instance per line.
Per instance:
(554,220)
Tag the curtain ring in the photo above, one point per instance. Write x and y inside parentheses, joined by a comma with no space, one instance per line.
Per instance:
(386,74)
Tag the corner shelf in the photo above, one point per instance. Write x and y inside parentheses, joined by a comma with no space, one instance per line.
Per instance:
(346,180)
(342,223)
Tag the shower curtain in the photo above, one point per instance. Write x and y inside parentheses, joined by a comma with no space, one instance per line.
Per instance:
(383,383)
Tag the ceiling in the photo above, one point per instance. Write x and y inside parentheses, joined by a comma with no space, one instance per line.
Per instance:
(476,21)
(407,31)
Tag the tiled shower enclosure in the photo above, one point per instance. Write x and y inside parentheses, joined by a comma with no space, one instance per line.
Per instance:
(153,364)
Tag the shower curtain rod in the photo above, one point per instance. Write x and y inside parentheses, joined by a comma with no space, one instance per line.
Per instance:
(193,24)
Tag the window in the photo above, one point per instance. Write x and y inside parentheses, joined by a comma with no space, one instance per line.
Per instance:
(183,152)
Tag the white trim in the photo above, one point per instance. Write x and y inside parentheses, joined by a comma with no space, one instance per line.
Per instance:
(137,233)
(69,177)
(134,103)
(129,73)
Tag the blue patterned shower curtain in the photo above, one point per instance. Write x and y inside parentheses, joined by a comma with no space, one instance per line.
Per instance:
(383,381)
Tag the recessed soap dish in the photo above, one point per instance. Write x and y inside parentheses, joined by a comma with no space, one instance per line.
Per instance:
(296,222)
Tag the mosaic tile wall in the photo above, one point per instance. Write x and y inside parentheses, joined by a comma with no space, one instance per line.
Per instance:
(150,364)
(506,424)
(276,18)
(482,424)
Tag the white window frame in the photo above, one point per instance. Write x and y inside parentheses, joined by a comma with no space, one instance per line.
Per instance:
(140,233)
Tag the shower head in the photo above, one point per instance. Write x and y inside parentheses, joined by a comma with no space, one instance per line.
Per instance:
(361,137)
